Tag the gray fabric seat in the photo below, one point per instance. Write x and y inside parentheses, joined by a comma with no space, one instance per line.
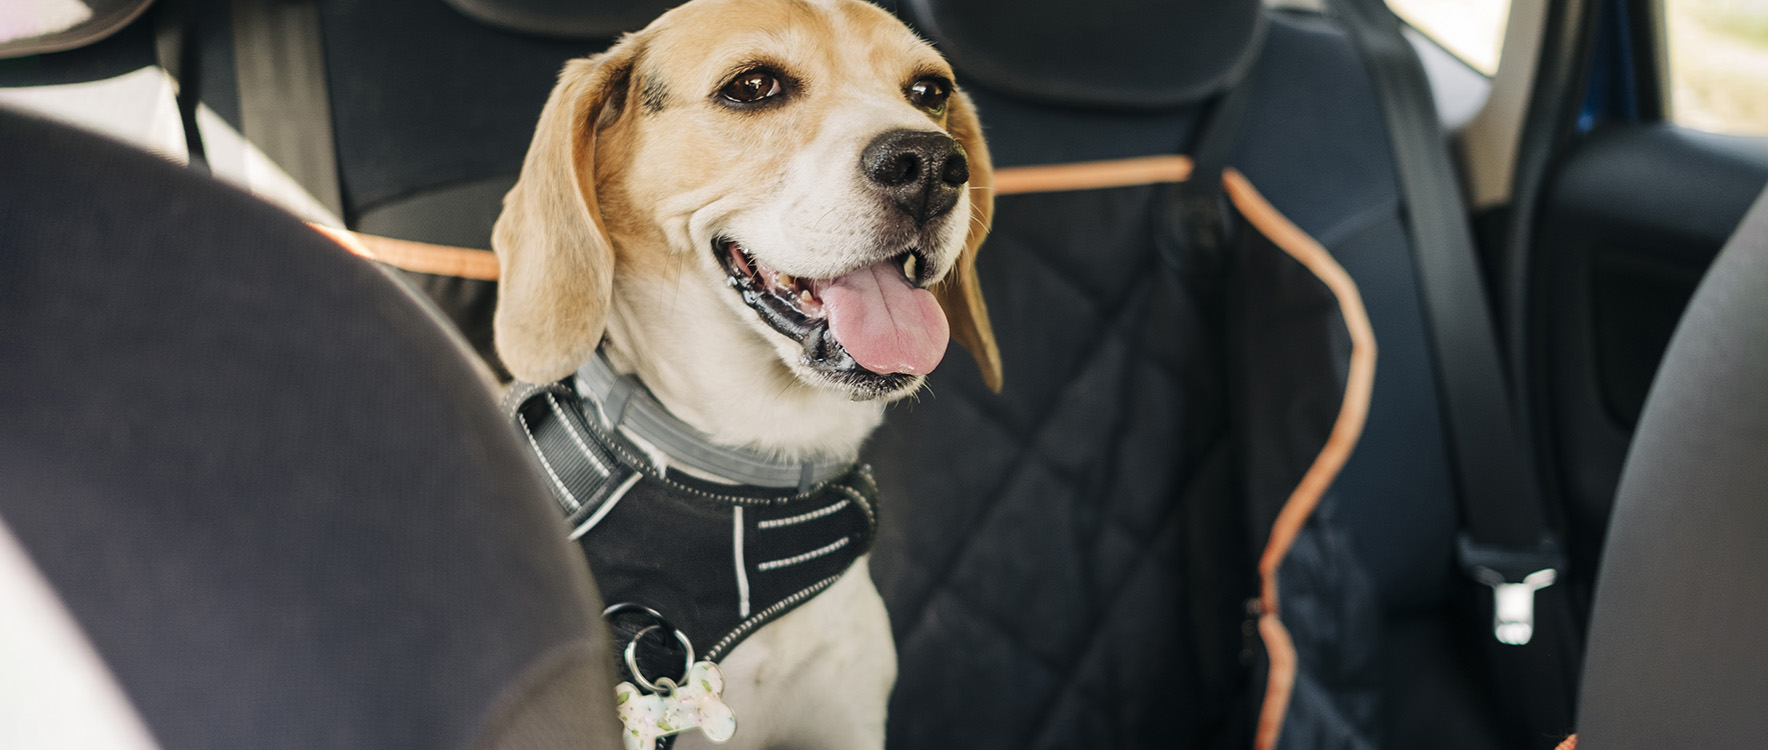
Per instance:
(1676,655)
(273,493)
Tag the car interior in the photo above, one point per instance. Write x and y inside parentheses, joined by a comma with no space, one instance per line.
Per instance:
(1354,397)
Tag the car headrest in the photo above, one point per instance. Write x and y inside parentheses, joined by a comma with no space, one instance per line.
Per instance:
(43,26)
(573,19)
(1115,54)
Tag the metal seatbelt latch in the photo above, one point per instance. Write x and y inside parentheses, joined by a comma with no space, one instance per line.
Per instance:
(1514,576)
(1513,604)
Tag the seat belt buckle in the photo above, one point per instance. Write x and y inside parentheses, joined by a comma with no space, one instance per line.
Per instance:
(1513,604)
(1514,575)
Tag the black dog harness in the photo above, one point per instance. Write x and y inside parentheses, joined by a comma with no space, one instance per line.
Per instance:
(713,561)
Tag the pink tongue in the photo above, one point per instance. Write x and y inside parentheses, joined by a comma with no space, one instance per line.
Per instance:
(886,324)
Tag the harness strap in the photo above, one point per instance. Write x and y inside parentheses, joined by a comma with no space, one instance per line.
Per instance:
(713,562)
(586,477)
(629,405)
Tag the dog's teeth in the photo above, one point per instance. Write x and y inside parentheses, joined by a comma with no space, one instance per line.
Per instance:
(785,279)
(908,266)
(805,295)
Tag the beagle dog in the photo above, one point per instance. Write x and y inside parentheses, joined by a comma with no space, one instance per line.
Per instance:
(767,211)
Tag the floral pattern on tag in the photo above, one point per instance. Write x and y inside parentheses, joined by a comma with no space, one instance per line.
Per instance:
(696,703)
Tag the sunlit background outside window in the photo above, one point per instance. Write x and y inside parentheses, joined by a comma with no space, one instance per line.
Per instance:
(1719,64)
(1718,53)
(1471,29)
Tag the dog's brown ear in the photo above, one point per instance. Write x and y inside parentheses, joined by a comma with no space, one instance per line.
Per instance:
(555,259)
(960,294)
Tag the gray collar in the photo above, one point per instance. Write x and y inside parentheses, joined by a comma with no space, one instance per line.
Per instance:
(625,403)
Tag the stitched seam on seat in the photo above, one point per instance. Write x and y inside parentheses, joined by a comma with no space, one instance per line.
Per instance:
(1053,269)
(938,580)
(1095,635)
(1118,589)
(1360,221)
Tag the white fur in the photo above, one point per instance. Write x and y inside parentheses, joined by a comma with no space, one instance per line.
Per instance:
(815,679)
(708,357)
(670,183)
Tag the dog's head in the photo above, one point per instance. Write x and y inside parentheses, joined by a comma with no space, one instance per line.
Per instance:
(813,161)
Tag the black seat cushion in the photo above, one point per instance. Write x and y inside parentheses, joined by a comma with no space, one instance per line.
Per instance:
(565,18)
(1047,551)
(446,101)
(1114,54)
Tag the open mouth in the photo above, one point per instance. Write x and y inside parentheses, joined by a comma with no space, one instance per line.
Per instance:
(873,327)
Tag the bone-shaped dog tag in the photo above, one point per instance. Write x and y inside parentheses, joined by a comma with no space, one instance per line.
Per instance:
(697,702)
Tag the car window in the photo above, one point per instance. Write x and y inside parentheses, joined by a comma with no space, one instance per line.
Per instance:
(1718,58)
(1471,29)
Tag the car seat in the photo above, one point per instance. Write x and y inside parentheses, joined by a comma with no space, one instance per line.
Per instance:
(1379,605)
(1074,562)
(1021,556)
(270,492)
(1675,656)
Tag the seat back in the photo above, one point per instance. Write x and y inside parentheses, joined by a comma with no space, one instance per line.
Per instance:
(1096,529)
(275,497)
(1675,656)
(1115,484)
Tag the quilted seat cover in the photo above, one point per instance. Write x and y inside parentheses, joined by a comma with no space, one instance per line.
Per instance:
(1073,563)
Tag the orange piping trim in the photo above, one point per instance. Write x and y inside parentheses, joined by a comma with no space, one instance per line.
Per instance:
(442,260)
(1092,175)
(1346,430)
(1280,683)
(416,256)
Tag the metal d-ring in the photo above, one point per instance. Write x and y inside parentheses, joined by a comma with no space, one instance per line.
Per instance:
(614,609)
(632,661)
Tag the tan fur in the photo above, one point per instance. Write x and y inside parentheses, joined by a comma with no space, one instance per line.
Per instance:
(635,171)
(556,252)
(961,292)
(554,256)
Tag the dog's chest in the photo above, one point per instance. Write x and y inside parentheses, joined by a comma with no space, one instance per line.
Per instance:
(715,561)
(718,566)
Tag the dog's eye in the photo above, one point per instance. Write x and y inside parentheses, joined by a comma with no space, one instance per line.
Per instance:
(752,86)
(930,94)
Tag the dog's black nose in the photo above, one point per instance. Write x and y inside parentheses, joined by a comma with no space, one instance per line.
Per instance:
(920,171)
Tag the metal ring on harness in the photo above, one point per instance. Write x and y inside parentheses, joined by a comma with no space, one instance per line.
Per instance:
(614,609)
(632,661)
(632,645)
